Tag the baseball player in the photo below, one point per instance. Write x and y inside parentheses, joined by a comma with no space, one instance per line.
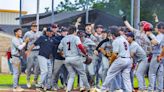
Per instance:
(17,46)
(140,36)
(156,65)
(161,56)
(70,45)
(59,60)
(138,55)
(46,43)
(121,62)
(32,60)
(89,46)
(105,47)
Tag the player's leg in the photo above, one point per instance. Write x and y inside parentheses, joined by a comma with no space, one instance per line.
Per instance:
(30,64)
(16,73)
(49,74)
(140,73)
(44,70)
(57,66)
(71,78)
(116,83)
(105,63)
(126,74)
(78,66)
(152,72)
(91,74)
(36,67)
(160,78)
(117,66)
(64,76)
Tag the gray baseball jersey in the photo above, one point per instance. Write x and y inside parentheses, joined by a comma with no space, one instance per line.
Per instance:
(121,46)
(90,45)
(157,48)
(69,45)
(142,39)
(107,46)
(139,53)
(33,36)
(15,49)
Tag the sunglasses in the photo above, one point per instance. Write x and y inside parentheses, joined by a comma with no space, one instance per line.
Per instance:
(54,27)
(34,25)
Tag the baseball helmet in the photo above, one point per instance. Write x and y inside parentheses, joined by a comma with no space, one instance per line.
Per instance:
(147,27)
(81,33)
(142,23)
(114,31)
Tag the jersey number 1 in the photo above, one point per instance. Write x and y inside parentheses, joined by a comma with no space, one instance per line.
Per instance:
(69,44)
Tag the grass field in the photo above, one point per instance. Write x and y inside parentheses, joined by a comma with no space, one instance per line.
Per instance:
(6,81)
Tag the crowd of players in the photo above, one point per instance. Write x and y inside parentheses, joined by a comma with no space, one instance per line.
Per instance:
(117,55)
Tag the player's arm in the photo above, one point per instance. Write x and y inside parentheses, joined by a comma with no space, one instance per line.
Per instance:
(152,38)
(20,46)
(127,24)
(161,55)
(80,46)
(37,42)
(103,41)
(99,45)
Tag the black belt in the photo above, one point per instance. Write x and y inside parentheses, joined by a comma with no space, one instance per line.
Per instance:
(35,50)
(125,57)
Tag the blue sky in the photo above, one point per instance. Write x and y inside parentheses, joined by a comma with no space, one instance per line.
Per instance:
(28,5)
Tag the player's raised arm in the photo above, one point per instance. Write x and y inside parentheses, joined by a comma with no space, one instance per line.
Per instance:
(127,24)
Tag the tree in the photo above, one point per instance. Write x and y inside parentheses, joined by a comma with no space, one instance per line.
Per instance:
(148,7)
(66,6)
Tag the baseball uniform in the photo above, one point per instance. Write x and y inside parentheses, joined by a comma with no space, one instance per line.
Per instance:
(32,60)
(156,68)
(73,60)
(17,46)
(122,64)
(90,46)
(44,58)
(141,58)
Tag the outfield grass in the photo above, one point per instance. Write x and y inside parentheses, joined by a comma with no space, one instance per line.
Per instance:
(6,80)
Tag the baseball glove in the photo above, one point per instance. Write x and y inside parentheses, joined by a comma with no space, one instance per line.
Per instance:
(88,60)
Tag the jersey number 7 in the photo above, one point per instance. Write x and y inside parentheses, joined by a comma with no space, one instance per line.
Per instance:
(69,45)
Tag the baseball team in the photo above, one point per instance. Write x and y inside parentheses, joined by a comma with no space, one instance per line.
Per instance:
(94,55)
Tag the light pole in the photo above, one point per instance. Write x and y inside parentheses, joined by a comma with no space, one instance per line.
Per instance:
(37,15)
(87,11)
(132,12)
(20,13)
(52,11)
(136,13)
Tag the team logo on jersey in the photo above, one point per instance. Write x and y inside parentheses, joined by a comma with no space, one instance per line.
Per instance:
(46,40)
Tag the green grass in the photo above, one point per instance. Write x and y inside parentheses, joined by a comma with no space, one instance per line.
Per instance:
(6,80)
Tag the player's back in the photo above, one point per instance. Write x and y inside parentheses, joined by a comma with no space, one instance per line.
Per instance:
(121,46)
(70,43)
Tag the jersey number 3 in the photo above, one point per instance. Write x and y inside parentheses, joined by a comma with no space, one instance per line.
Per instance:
(69,45)
(125,45)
